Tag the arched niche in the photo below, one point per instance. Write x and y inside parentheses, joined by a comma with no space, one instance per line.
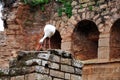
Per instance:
(85,40)
(56,40)
(115,40)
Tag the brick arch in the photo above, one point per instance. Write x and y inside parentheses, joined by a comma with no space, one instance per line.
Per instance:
(85,40)
(115,40)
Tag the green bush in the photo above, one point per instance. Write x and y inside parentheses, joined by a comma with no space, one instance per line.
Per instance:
(34,3)
(67,8)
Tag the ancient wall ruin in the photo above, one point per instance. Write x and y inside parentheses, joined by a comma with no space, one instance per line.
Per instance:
(43,65)
(101,71)
(24,30)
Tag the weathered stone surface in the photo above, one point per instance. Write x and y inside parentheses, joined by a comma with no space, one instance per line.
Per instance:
(54,66)
(98,14)
(104,42)
(66,61)
(74,3)
(57,79)
(67,68)
(44,56)
(20,78)
(59,74)
(4,72)
(75,77)
(67,76)
(33,61)
(43,77)
(77,63)
(4,78)
(78,71)
(41,69)
(54,58)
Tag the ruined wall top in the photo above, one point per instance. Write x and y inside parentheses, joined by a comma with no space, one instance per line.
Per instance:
(55,64)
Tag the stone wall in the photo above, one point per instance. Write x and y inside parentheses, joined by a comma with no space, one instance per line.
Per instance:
(25,36)
(43,65)
(101,71)
(103,14)
(25,28)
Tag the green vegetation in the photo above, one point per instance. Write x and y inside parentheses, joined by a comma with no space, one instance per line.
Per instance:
(67,8)
(66,5)
(34,3)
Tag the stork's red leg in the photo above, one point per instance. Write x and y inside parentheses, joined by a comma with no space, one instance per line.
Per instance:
(49,44)
(44,43)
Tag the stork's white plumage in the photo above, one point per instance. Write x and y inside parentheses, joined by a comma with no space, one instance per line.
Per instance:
(1,21)
(49,31)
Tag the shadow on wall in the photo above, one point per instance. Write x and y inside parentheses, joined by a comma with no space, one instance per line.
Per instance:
(115,40)
(85,40)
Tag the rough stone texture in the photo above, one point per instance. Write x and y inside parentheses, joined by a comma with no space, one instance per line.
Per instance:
(24,30)
(104,71)
(25,36)
(40,65)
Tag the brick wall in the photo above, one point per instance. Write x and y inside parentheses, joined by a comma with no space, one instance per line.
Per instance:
(101,71)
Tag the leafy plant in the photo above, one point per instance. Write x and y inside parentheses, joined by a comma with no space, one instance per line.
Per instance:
(67,8)
(66,5)
(81,7)
(90,8)
(34,3)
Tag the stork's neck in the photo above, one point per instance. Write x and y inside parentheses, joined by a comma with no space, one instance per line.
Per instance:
(41,40)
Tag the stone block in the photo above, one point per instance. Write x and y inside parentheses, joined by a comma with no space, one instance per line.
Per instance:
(43,77)
(78,71)
(33,62)
(44,63)
(32,76)
(57,74)
(96,16)
(54,66)
(72,19)
(54,58)
(25,70)
(13,78)
(74,3)
(87,15)
(103,53)
(41,69)
(10,32)
(75,77)
(81,10)
(67,68)
(84,5)
(77,63)
(103,6)
(83,16)
(104,35)
(66,61)
(43,56)
(13,27)
(104,42)
(19,77)
(57,79)
(67,76)
(98,21)
(4,78)
(91,3)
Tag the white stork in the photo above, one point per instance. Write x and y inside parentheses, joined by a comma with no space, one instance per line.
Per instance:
(49,31)
(1,21)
